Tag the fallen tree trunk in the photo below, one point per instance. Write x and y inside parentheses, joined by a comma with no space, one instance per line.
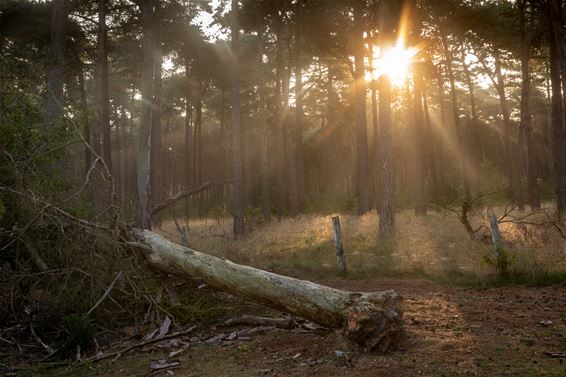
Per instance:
(371,320)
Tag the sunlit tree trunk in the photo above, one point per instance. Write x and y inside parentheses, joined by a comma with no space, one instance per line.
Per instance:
(557,55)
(362,171)
(299,117)
(144,145)
(265,202)
(375,124)
(386,180)
(456,117)
(53,107)
(280,166)
(420,154)
(473,109)
(526,143)
(514,184)
(237,195)
(431,148)
(440,153)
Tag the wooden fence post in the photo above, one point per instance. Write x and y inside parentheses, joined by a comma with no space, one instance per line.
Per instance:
(501,256)
(339,246)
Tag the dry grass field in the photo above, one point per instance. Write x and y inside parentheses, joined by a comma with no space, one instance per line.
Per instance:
(436,247)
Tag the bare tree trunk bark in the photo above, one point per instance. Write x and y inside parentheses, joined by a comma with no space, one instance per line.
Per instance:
(386,180)
(457,124)
(144,147)
(375,125)
(515,185)
(373,321)
(237,195)
(440,152)
(526,142)
(420,160)
(86,123)
(156,160)
(53,107)
(280,166)
(102,97)
(557,55)
(265,204)
(299,118)
(188,131)
(474,113)
(362,171)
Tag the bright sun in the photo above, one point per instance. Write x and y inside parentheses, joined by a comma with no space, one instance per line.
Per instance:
(395,62)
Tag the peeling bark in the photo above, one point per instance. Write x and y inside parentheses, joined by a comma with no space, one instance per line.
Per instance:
(371,320)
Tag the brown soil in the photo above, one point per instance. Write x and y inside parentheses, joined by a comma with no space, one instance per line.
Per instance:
(449,332)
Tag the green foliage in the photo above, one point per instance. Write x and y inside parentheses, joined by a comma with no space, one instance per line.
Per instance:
(500,259)
(78,332)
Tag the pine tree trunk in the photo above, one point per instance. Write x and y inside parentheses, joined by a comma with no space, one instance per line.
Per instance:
(102,98)
(237,195)
(386,180)
(53,107)
(475,123)
(156,163)
(457,124)
(515,185)
(526,143)
(362,171)
(557,55)
(420,155)
(375,125)
(85,120)
(265,203)
(144,146)
(280,166)
(299,117)
(187,170)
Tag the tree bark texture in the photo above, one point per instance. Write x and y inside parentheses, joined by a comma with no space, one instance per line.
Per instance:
(156,163)
(558,127)
(371,320)
(526,142)
(144,146)
(386,179)
(237,194)
(53,108)
(362,171)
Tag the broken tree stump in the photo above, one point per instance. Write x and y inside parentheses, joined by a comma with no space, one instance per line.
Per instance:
(338,243)
(371,320)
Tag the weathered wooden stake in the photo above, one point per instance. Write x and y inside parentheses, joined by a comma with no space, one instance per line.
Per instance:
(501,257)
(339,246)
(494,228)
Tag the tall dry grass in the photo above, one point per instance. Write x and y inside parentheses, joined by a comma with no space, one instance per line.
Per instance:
(435,246)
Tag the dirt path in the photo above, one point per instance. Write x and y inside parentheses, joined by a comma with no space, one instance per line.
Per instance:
(450,332)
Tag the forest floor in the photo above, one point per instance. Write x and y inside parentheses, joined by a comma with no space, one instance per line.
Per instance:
(460,320)
(510,331)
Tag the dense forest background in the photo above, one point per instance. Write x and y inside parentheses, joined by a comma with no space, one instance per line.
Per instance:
(472,114)
(171,114)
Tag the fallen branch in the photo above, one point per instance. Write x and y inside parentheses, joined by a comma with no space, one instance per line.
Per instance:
(250,320)
(186,193)
(119,353)
(106,293)
(371,320)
